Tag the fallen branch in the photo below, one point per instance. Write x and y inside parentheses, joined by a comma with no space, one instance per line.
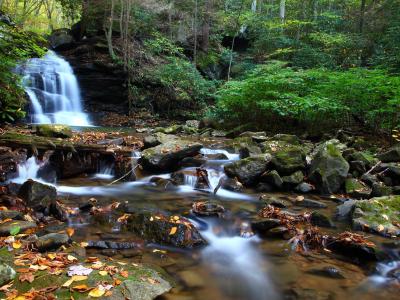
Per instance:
(374,167)
(219,184)
(124,175)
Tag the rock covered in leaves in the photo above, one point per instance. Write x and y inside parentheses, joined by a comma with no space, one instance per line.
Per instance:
(379,215)
(247,170)
(170,153)
(328,170)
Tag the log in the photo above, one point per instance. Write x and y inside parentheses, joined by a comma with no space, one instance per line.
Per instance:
(38,145)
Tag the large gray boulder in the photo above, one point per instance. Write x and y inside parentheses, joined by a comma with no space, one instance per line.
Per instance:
(207,122)
(170,153)
(157,139)
(289,160)
(328,170)
(33,192)
(247,170)
(61,39)
(6,274)
(392,155)
(322,145)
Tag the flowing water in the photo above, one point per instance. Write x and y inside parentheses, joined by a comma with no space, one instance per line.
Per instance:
(230,266)
(53,90)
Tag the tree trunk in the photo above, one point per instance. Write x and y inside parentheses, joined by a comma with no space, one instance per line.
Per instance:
(16,10)
(126,40)
(254,6)
(195,35)
(206,27)
(121,18)
(315,10)
(109,33)
(330,5)
(362,15)
(282,13)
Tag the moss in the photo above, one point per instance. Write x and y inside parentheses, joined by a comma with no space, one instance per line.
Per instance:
(205,59)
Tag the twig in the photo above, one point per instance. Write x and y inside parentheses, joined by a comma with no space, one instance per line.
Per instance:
(124,175)
(383,171)
(219,184)
(374,167)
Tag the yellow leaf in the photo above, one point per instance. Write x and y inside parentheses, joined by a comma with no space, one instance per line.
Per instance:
(20,298)
(83,244)
(73,279)
(50,256)
(17,244)
(70,257)
(103,273)
(68,283)
(96,293)
(173,230)
(176,218)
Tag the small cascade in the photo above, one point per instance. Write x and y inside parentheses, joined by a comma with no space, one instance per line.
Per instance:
(189,180)
(230,156)
(136,154)
(53,91)
(27,170)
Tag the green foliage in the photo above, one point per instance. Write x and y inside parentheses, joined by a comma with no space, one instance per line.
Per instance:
(159,44)
(15,47)
(275,92)
(15,230)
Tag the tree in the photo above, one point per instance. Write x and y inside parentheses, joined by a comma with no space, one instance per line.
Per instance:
(206,26)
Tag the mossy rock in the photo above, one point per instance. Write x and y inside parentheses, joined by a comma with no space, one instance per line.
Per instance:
(235,145)
(328,170)
(368,160)
(380,190)
(288,138)
(360,144)
(33,192)
(273,178)
(247,170)
(288,160)
(252,126)
(352,185)
(272,146)
(133,287)
(320,219)
(170,130)
(294,179)
(380,211)
(392,155)
(54,130)
(322,145)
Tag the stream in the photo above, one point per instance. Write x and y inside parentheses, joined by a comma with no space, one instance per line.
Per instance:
(233,265)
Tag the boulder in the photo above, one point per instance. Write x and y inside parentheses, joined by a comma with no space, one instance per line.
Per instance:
(345,209)
(251,134)
(394,173)
(273,178)
(323,145)
(288,138)
(158,139)
(294,179)
(357,166)
(379,190)
(348,151)
(219,156)
(6,227)
(232,185)
(307,148)
(392,155)
(328,170)
(55,228)
(208,209)
(206,122)
(178,178)
(54,130)
(265,224)
(33,192)
(320,219)
(252,126)
(362,252)
(272,201)
(52,241)
(369,179)
(6,272)
(368,161)
(288,160)
(218,133)
(272,146)
(378,215)
(303,188)
(61,39)
(196,161)
(247,170)
(249,152)
(352,184)
(169,154)
(235,145)
(11,214)
(160,231)
(170,130)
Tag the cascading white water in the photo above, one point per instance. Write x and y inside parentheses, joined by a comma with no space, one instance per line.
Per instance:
(53,91)
(230,156)
(27,170)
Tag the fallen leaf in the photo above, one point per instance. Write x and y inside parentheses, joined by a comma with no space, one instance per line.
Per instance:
(124,274)
(96,293)
(173,230)
(381,227)
(27,276)
(70,231)
(390,231)
(120,263)
(82,288)
(151,281)
(5,288)
(108,293)
(24,270)
(50,297)
(103,273)
(91,259)
(385,217)
(17,244)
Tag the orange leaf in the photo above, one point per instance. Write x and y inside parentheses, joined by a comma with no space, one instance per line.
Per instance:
(70,231)
(108,293)
(173,230)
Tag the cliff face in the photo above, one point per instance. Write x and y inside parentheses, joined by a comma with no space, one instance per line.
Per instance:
(101,83)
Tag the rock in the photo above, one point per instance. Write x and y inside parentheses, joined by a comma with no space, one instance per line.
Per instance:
(53,209)
(122,168)
(273,178)
(310,203)
(272,146)
(54,228)
(77,250)
(32,192)
(352,185)
(335,143)
(158,259)
(386,180)
(379,190)
(109,252)
(392,155)
(218,133)
(156,231)
(207,121)
(247,170)
(320,219)
(158,138)
(4,18)
(348,151)
(114,245)
(326,270)
(54,130)
(288,160)
(252,126)
(251,134)
(11,214)
(47,173)
(6,227)
(394,173)
(52,241)
(131,253)
(235,145)
(357,166)
(164,183)
(192,279)
(309,294)
(272,201)
(396,190)
(328,170)
(13,188)
(368,161)
(170,130)
(303,188)
(164,155)
(193,123)
(382,167)
(294,179)
(289,139)
(369,179)
(232,185)
(61,39)
(178,178)
(360,194)
(207,209)
(87,205)
(277,231)
(345,209)
(264,187)
(249,152)
(361,251)
(265,224)
(378,217)
(6,272)
(307,148)
(219,156)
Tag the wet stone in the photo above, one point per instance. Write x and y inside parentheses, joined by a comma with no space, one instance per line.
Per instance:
(310,203)
(264,187)
(86,205)
(11,214)
(277,231)
(219,156)
(78,250)
(52,241)
(112,245)
(178,178)
(130,253)
(344,210)
(327,271)
(55,228)
(109,252)
(232,185)
(6,274)
(272,201)
(265,224)
(303,188)
(6,227)
(158,259)
(208,209)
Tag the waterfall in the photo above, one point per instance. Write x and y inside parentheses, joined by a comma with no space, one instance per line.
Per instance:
(53,91)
